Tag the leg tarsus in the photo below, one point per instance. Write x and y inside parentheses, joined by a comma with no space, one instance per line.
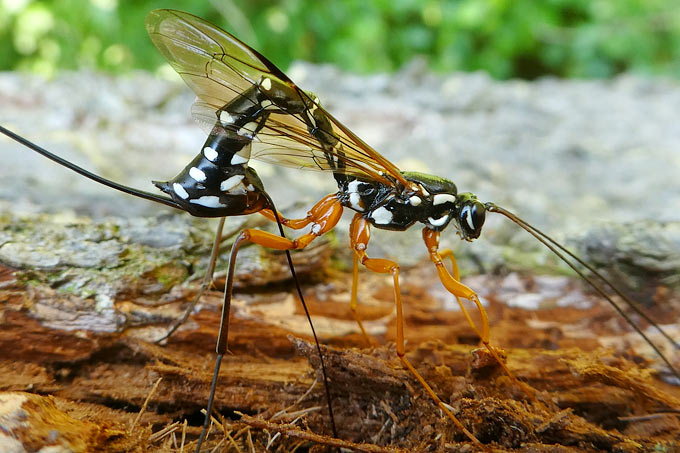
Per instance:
(529,391)
(451,282)
(211,399)
(359,236)
(439,402)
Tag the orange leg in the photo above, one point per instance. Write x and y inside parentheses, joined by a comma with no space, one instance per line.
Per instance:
(451,282)
(323,205)
(359,237)
(354,299)
(323,217)
(455,274)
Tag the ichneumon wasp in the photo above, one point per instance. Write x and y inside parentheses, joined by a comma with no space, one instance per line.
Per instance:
(254,111)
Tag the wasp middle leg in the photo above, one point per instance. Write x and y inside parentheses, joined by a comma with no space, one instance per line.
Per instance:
(359,237)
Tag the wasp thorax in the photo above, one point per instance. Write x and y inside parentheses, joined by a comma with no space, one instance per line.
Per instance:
(471,216)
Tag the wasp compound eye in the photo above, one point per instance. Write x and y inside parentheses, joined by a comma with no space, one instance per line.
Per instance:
(472,217)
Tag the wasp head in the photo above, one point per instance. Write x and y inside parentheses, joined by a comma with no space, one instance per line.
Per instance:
(470,215)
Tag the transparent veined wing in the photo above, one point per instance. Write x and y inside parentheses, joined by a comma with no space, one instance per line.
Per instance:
(285,140)
(218,67)
(214,64)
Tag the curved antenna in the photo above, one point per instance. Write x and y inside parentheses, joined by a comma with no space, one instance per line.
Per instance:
(560,251)
(81,171)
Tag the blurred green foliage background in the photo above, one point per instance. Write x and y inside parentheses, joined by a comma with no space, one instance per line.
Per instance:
(506,38)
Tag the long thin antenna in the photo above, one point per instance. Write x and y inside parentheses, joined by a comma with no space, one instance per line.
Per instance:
(557,249)
(81,171)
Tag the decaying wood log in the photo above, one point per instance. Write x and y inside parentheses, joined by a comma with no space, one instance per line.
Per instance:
(81,304)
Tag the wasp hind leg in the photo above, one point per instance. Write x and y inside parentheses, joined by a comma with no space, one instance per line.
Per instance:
(323,217)
(206,283)
(297,224)
(359,237)
(316,213)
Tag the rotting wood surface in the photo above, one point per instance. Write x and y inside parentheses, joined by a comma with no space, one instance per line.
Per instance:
(84,389)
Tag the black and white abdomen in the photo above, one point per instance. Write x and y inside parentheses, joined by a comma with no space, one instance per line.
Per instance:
(218,181)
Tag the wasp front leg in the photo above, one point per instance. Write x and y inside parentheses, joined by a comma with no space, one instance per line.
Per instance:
(451,281)
(359,237)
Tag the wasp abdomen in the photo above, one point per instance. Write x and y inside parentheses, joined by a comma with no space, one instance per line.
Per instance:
(218,181)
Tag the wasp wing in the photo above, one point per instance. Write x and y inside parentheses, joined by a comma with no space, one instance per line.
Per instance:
(218,67)
(285,140)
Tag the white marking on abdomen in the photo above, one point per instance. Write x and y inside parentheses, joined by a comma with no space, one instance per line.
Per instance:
(438,222)
(266,103)
(382,216)
(238,159)
(197,174)
(415,200)
(443,198)
(230,183)
(266,83)
(179,190)
(210,153)
(226,119)
(209,201)
(248,130)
